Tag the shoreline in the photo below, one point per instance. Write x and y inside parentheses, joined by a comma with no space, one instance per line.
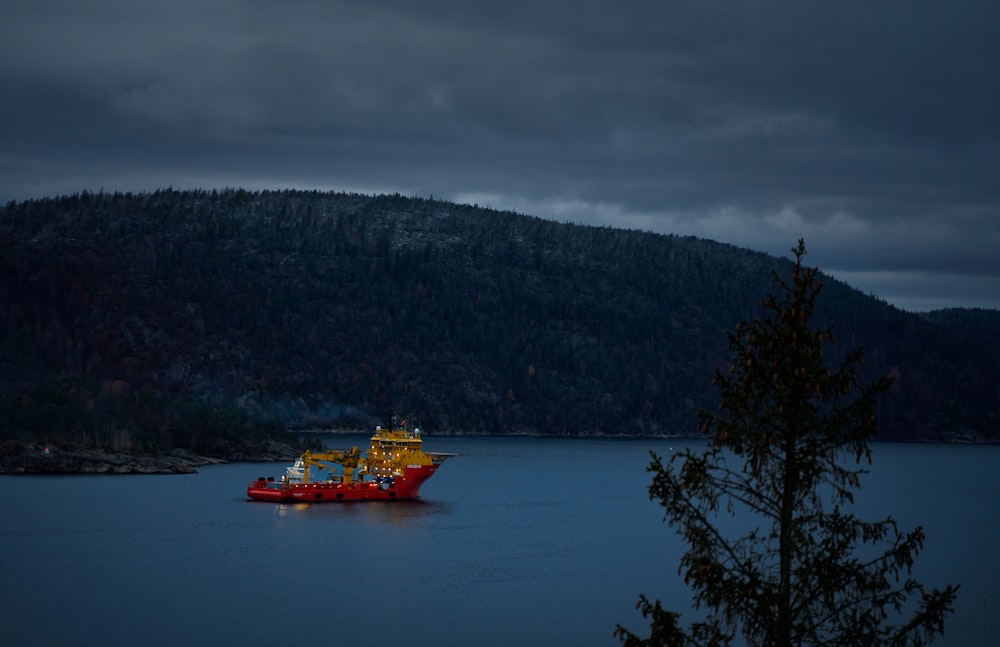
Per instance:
(34,459)
(31,459)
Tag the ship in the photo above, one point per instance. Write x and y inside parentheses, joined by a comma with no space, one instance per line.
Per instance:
(394,468)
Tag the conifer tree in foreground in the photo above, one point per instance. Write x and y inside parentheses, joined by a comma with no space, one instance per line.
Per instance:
(782,445)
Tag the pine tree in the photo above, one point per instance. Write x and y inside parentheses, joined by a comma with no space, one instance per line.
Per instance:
(785,448)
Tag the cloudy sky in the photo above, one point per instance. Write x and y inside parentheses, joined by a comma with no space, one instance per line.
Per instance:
(871,129)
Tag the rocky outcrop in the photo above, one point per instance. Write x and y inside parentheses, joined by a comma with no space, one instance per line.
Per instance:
(48,459)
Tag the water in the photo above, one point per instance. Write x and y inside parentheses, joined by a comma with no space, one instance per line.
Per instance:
(516,541)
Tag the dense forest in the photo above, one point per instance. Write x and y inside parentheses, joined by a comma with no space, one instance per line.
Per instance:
(178,318)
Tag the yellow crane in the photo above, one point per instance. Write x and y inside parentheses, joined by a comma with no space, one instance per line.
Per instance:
(348,459)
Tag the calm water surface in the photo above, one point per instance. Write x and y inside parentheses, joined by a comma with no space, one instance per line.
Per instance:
(516,541)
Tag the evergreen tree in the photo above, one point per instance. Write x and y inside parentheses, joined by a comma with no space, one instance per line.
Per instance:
(784,448)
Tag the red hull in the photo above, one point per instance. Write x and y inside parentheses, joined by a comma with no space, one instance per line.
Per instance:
(406,486)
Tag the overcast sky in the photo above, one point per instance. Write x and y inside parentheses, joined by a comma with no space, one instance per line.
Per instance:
(871,129)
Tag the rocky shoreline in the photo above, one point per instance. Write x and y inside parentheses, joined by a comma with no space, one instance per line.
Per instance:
(49,459)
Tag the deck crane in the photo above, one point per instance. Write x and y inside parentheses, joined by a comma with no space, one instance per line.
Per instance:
(348,459)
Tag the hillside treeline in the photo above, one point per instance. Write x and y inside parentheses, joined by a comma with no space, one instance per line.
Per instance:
(144,313)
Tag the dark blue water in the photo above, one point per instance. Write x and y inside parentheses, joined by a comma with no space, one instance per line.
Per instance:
(516,541)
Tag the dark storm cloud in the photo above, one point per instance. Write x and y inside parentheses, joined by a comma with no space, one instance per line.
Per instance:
(870,129)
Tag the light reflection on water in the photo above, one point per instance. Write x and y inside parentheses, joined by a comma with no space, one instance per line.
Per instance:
(516,541)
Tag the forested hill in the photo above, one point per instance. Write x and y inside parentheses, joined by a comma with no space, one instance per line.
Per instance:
(330,310)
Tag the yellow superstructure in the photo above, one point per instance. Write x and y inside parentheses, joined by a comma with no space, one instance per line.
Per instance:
(390,453)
